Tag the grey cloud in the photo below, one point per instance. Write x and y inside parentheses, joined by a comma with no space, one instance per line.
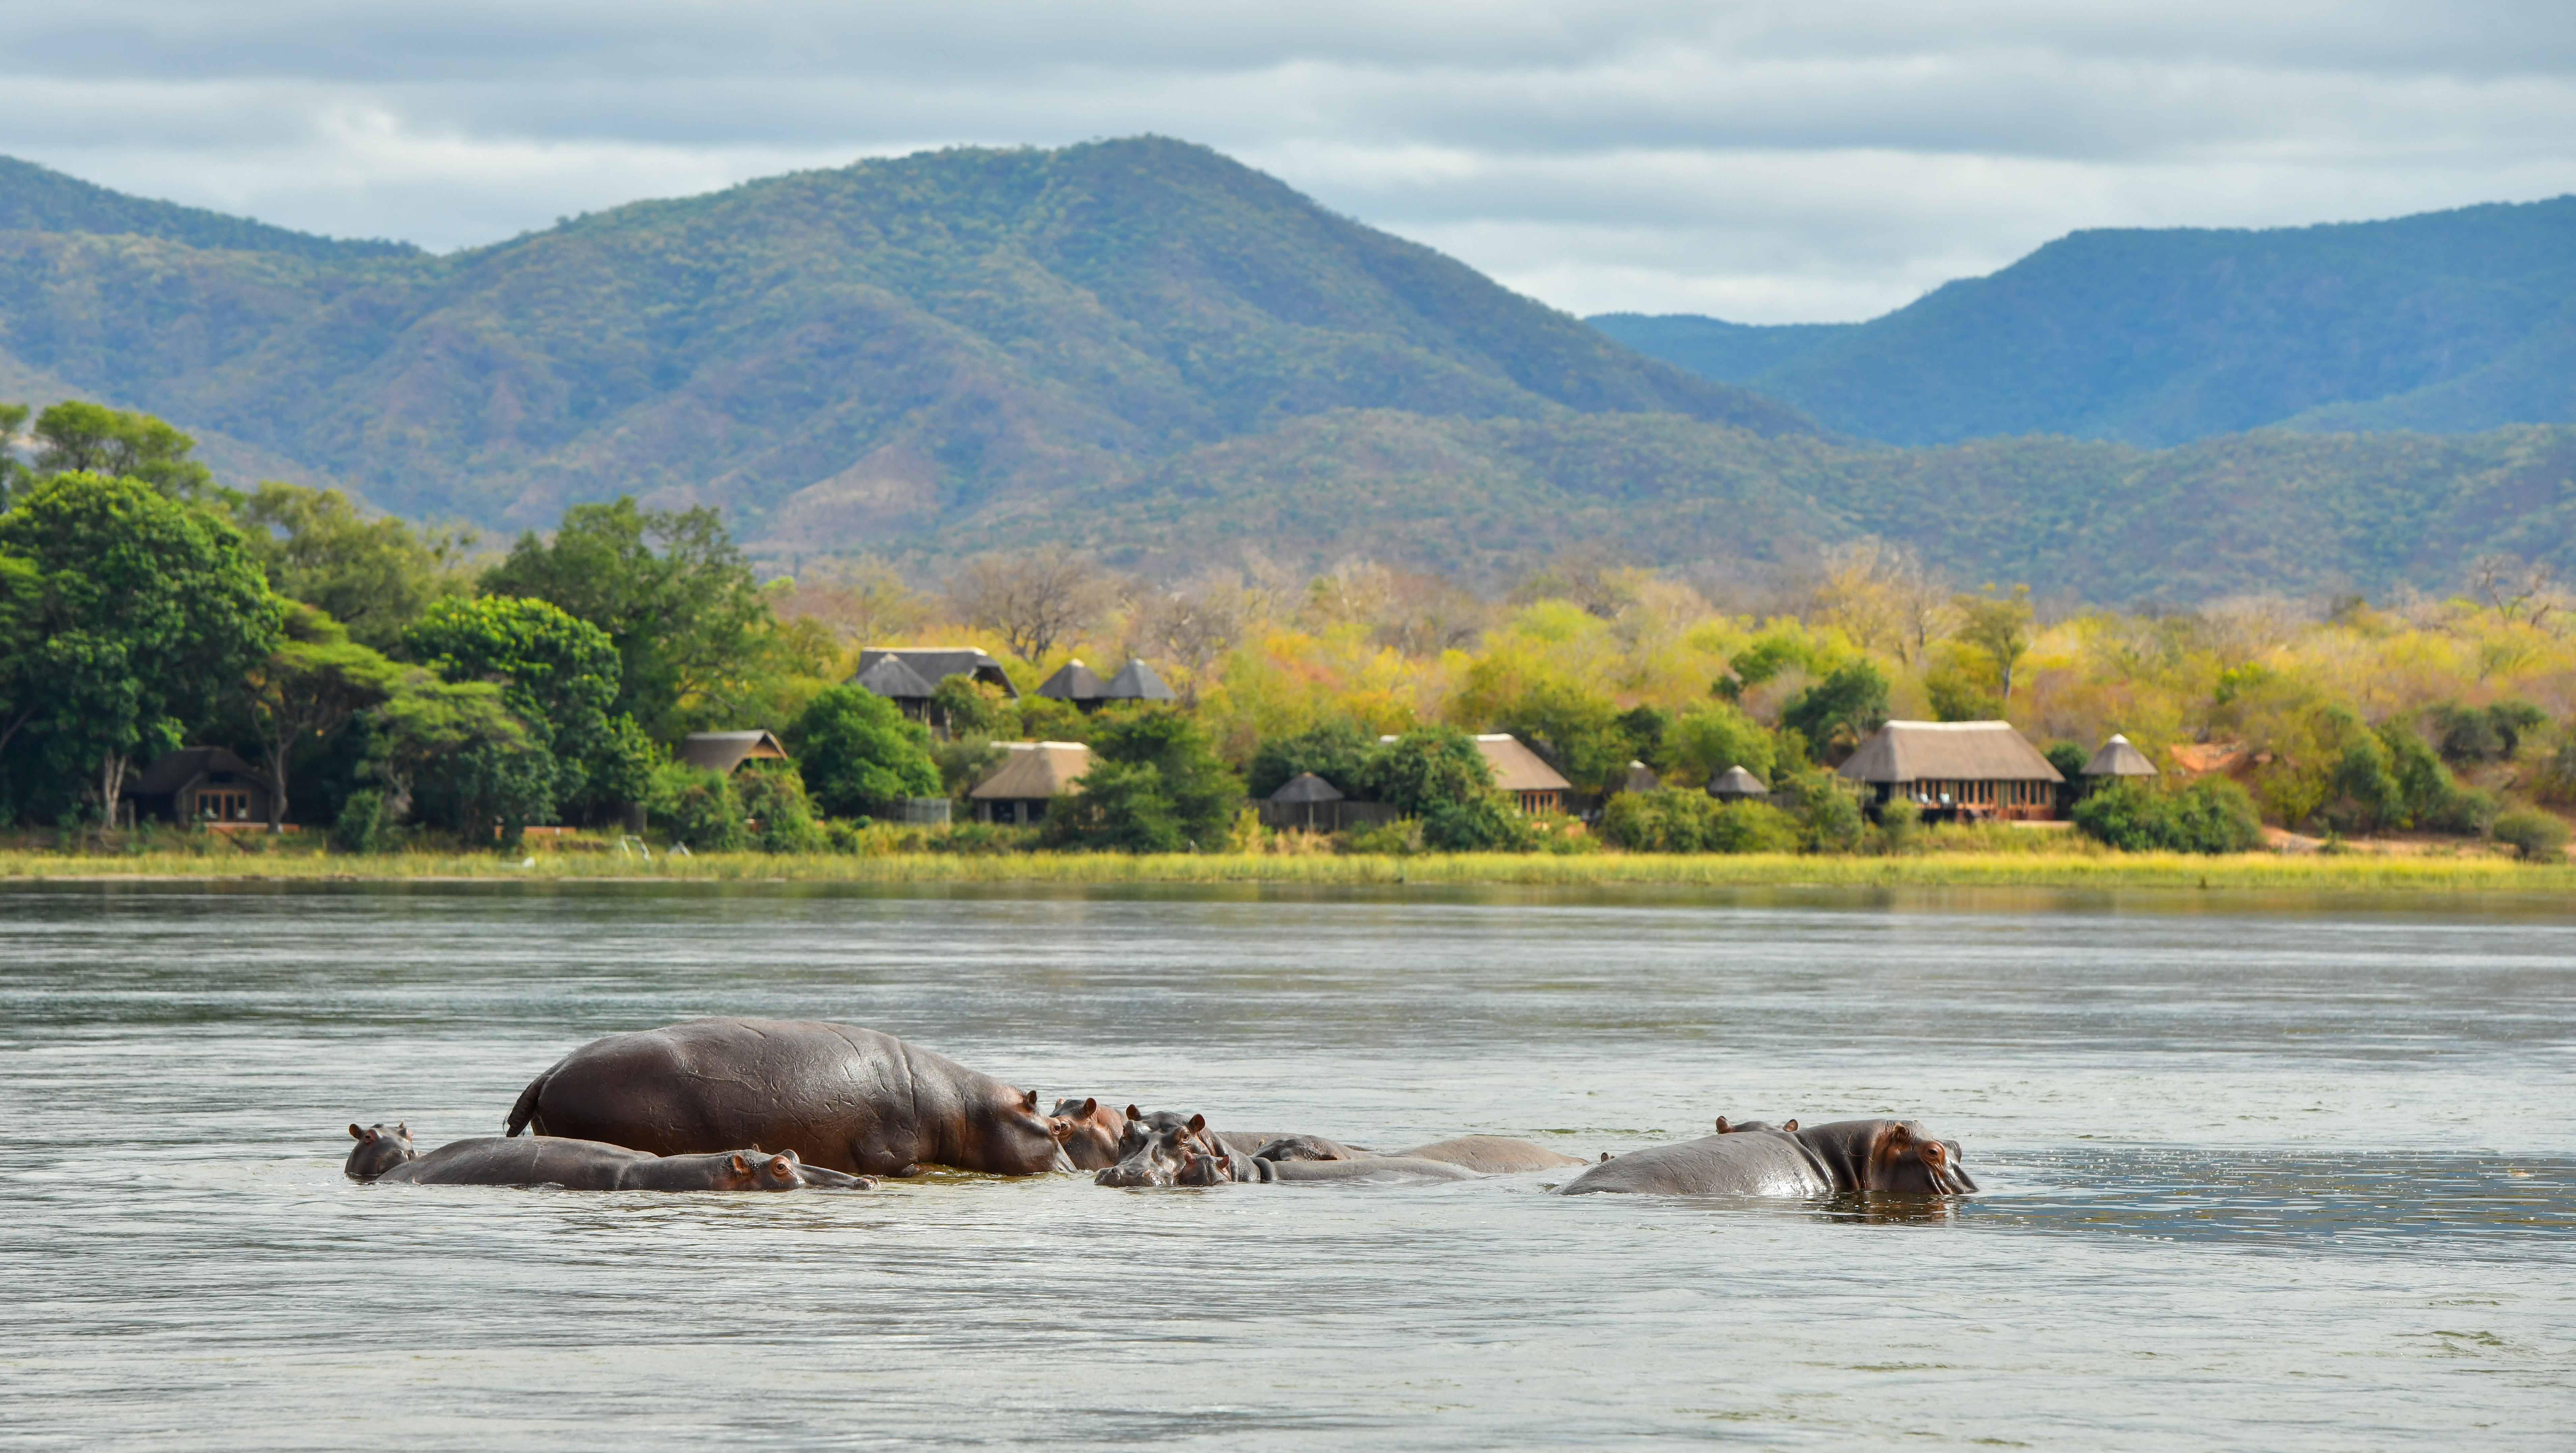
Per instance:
(1784,160)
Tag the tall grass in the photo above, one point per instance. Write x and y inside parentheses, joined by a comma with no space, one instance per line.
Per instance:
(2328,873)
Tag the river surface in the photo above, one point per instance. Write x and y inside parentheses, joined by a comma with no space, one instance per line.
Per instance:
(2254,1177)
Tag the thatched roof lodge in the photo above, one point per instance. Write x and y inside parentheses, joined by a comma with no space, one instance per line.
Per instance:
(724,751)
(1136,681)
(2119,759)
(201,784)
(1957,770)
(907,675)
(1079,684)
(1031,778)
(1532,783)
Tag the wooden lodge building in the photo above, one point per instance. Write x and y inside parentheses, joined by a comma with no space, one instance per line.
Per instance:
(908,675)
(1079,684)
(1533,785)
(200,785)
(1019,792)
(1958,771)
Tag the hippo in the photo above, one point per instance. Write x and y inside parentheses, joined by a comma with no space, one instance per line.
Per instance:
(1293,1147)
(841,1097)
(1257,1144)
(1493,1155)
(1179,1152)
(1894,1157)
(1739,1127)
(580,1165)
(1099,1133)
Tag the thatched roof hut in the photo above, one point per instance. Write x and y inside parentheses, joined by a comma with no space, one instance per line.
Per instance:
(724,751)
(1076,683)
(1640,778)
(1957,768)
(1136,681)
(1032,777)
(1736,785)
(1533,784)
(1306,787)
(2118,759)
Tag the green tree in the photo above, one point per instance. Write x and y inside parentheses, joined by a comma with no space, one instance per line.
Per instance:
(1485,823)
(372,576)
(81,438)
(1711,737)
(2534,835)
(968,707)
(1155,785)
(13,417)
(1841,710)
(1333,751)
(426,723)
(314,682)
(1576,730)
(858,755)
(1423,769)
(138,611)
(698,808)
(2000,627)
(558,675)
(775,809)
(674,594)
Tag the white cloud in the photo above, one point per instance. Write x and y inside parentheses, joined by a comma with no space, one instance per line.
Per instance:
(1764,161)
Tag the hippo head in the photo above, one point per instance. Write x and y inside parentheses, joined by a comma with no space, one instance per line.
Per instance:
(379,1149)
(1889,1157)
(780,1172)
(1095,1133)
(1298,1147)
(1739,1127)
(1019,1141)
(1172,1155)
(1141,1126)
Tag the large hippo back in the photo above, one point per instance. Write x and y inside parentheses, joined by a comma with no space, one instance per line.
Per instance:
(1763,1163)
(840,1096)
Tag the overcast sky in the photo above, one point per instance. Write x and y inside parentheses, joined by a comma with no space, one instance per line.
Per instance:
(1767,162)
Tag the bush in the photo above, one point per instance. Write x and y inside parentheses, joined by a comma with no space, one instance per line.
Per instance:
(1155,786)
(2212,815)
(1678,820)
(1485,823)
(698,808)
(857,755)
(1900,826)
(1423,769)
(1121,808)
(969,707)
(360,827)
(1392,839)
(773,796)
(1706,740)
(1825,809)
(2534,835)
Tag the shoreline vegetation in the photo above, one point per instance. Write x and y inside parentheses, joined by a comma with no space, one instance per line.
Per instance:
(2321,873)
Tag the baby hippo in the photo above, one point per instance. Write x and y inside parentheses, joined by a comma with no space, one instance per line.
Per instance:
(385,1153)
(1174,1152)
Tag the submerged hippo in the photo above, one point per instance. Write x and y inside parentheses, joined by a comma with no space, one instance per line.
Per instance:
(387,1155)
(1180,1152)
(1493,1155)
(1739,1127)
(1894,1157)
(842,1097)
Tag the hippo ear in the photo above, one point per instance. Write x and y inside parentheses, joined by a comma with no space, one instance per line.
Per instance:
(355,1133)
(1089,1108)
(790,1154)
(1898,1137)
(1790,1124)
(1135,1114)
(741,1167)
(1722,1127)
(402,1129)
(1197,1124)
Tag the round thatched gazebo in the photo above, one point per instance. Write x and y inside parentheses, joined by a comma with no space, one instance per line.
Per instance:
(1736,785)
(2118,759)
(1306,792)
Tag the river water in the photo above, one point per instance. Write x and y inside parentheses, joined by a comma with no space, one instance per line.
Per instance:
(2255,1176)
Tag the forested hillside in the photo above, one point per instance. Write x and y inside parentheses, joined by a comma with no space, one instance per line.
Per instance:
(2451,322)
(1173,360)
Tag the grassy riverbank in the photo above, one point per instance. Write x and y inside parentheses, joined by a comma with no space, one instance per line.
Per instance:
(2466,874)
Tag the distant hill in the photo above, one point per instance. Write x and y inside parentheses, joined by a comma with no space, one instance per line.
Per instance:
(39,199)
(828,353)
(1145,348)
(2449,322)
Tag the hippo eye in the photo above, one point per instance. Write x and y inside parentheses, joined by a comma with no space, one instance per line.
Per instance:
(1931,1150)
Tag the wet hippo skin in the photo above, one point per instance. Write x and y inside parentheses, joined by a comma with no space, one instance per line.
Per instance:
(1892,1157)
(387,1156)
(841,1097)
(1493,1155)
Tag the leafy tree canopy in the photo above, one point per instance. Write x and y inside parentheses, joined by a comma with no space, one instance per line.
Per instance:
(1423,769)
(1334,751)
(371,575)
(135,612)
(672,591)
(1841,710)
(858,754)
(83,438)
